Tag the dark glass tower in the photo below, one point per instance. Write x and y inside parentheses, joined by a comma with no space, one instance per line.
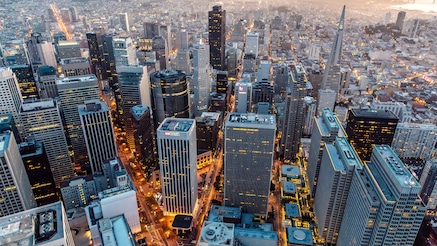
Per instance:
(169,95)
(160,46)
(96,54)
(217,36)
(26,81)
(38,170)
(144,137)
(365,128)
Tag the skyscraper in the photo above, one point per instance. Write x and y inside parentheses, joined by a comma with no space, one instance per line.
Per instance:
(368,127)
(124,22)
(217,36)
(294,115)
(263,91)
(414,140)
(26,81)
(400,19)
(338,166)
(201,78)
(144,136)
(38,170)
(134,84)
(177,159)
(75,66)
(331,75)
(42,120)
(160,46)
(98,132)
(124,51)
(74,91)
(252,39)
(248,149)
(169,95)
(326,129)
(16,195)
(428,182)
(68,49)
(243,97)
(11,96)
(383,206)
(47,82)
(96,53)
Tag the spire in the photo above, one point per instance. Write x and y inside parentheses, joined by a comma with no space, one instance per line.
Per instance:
(341,22)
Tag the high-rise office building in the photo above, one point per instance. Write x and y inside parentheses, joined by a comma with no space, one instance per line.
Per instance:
(98,132)
(331,75)
(337,168)
(68,49)
(38,170)
(165,32)
(326,98)
(77,66)
(134,84)
(222,82)
(96,53)
(7,124)
(428,182)
(124,21)
(400,19)
(415,140)
(169,95)
(282,72)
(262,91)
(124,51)
(26,81)
(243,97)
(207,130)
(181,39)
(368,127)
(310,108)
(326,128)
(294,115)
(264,71)
(16,195)
(151,30)
(46,225)
(248,160)
(108,62)
(183,61)
(177,151)
(217,36)
(252,40)
(42,121)
(78,191)
(201,83)
(383,206)
(10,95)
(143,136)
(74,91)
(47,82)
(160,46)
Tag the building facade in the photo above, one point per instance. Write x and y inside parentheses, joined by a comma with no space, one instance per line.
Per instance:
(248,159)
(177,151)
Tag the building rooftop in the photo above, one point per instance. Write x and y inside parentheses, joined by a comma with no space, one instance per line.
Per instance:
(4,141)
(76,180)
(40,225)
(5,118)
(292,210)
(240,232)
(76,79)
(38,105)
(374,114)
(398,169)
(115,191)
(330,119)
(92,106)
(290,171)
(138,111)
(167,74)
(289,187)
(182,222)
(217,233)
(347,153)
(299,236)
(211,115)
(65,61)
(115,231)
(218,212)
(176,125)
(251,119)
